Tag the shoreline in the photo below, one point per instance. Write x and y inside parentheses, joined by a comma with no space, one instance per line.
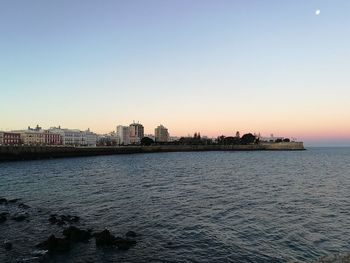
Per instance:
(17,153)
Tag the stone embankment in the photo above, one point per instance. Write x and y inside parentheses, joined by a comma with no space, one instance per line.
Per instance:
(8,153)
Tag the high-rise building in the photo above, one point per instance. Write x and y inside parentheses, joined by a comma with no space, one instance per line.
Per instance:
(123,135)
(136,133)
(161,134)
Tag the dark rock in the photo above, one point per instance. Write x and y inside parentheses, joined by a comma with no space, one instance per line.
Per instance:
(55,244)
(20,217)
(24,206)
(60,222)
(38,253)
(75,219)
(53,219)
(131,234)
(70,219)
(41,255)
(14,200)
(7,245)
(3,217)
(63,219)
(3,201)
(105,238)
(124,243)
(75,234)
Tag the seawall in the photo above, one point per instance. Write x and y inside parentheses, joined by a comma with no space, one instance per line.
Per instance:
(8,153)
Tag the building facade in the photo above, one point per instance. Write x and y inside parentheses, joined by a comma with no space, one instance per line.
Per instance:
(136,133)
(161,134)
(123,135)
(75,137)
(52,138)
(10,138)
(33,137)
(89,138)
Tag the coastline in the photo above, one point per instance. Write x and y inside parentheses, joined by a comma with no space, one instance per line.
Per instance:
(16,153)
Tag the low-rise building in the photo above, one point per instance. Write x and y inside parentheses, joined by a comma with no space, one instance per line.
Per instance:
(270,139)
(10,138)
(89,138)
(32,137)
(52,138)
(161,134)
(109,139)
(38,136)
(174,138)
(75,137)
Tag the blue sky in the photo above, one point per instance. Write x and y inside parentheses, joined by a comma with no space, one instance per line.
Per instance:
(209,66)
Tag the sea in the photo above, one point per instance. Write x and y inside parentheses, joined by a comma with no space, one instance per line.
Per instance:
(253,206)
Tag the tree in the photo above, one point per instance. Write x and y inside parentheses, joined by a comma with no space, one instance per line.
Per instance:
(238,135)
(286,140)
(220,139)
(248,138)
(278,140)
(230,140)
(146,141)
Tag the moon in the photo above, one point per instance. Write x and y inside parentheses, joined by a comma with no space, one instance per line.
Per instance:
(318,12)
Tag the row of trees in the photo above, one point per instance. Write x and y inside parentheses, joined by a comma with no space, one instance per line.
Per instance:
(247,138)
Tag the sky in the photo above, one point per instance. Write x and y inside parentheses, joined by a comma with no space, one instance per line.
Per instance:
(217,67)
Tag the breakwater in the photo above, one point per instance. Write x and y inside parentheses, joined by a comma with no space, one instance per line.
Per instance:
(8,153)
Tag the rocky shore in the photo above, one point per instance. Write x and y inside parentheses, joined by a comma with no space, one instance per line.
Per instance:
(12,212)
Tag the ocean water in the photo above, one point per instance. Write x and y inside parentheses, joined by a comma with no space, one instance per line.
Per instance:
(188,207)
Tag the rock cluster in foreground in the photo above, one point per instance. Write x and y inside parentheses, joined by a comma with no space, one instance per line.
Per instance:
(70,235)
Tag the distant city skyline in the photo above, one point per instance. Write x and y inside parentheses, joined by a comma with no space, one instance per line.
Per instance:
(214,67)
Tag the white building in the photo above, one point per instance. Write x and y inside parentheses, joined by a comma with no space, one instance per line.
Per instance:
(109,139)
(89,138)
(123,135)
(75,137)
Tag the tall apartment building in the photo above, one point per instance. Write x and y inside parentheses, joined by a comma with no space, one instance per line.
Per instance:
(161,134)
(136,133)
(123,135)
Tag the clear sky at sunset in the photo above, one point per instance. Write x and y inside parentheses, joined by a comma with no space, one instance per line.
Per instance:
(209,66)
